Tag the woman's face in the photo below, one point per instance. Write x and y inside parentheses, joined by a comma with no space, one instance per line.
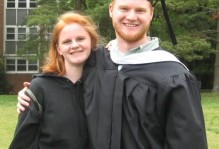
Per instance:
(74,44)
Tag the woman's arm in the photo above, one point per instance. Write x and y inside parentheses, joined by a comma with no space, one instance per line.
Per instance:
(27,130)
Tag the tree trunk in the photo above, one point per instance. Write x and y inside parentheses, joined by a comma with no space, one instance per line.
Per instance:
(216,66)
(78,5)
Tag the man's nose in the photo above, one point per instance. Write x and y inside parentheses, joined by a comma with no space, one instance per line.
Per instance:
(131,15)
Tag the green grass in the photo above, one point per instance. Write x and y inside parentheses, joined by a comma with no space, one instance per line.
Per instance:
(8,119)
(210,104)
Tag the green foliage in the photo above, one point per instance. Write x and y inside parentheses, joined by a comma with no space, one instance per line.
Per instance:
(100,14)
(189,48)
(43,18)
(4,84)
(195,32)
(191,20)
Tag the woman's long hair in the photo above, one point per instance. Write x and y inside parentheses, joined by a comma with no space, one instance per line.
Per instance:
(55,62)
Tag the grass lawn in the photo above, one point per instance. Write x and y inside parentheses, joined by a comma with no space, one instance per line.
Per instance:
(210,103)
(8,119)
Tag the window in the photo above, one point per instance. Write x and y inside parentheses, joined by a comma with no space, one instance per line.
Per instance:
(32,65)
(11,4)
(10,47)
(10,33)
(33,4)
(22,4)
(33,30)
(22,33)
(16,32)
(21,65)
(21,16)
(11,17)
(10,65)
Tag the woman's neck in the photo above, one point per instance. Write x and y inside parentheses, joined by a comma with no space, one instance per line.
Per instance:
(74,73)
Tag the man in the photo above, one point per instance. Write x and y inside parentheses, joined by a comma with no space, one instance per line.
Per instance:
(137,96)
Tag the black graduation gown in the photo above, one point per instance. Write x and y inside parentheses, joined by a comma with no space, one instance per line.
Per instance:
(142,106)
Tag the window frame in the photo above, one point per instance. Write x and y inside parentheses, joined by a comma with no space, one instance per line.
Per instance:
(18,34)
(16,65)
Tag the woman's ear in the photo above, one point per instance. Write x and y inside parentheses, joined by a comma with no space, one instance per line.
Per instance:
(58,50)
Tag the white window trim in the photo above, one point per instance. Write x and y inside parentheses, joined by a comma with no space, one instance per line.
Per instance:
(15,56)
(16,4)
(21,72)
(16,38)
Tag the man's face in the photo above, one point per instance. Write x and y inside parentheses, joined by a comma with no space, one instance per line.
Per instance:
(131,18)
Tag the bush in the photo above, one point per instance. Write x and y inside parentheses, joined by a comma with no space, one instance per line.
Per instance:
(4,84)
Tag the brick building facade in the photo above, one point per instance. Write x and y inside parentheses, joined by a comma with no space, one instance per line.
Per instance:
(1,26)
(13,34)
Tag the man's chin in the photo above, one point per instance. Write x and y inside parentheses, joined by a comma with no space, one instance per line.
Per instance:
(131,38)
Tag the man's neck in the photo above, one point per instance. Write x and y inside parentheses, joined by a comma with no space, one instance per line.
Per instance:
(125,46)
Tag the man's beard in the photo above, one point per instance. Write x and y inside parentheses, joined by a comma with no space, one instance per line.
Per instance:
(129,37)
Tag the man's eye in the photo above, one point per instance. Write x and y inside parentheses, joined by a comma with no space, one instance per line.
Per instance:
(124,9)
(141,11)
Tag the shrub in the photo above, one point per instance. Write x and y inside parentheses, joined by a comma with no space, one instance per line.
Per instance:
(4,84)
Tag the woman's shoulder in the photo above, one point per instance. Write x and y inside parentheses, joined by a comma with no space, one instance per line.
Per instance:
(43,78)
(43,83)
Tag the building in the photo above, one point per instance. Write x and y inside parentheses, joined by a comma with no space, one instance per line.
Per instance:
(13,34)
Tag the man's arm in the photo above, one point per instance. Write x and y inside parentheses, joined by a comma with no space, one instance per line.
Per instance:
(184,127)
(23,99)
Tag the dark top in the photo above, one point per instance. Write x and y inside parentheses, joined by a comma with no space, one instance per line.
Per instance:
(142,106)
(63,123)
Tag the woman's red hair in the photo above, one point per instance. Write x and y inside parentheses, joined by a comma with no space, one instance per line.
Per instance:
(55,62)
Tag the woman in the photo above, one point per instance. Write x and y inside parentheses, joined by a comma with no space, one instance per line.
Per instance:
(59,90)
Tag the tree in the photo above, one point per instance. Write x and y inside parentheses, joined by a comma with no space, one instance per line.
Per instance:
(190,20)
(99,12)
(5,87)
(216,66)
(43,18)
(193,28)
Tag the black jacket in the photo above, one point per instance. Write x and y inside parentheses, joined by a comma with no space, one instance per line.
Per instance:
(63,123)
(142,106)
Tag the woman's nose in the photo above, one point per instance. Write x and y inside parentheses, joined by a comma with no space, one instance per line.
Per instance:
(74,44)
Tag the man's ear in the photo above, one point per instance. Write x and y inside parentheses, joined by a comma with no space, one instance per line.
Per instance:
(152,13)
(110,10)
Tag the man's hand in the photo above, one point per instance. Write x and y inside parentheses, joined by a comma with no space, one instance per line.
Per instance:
(22,98)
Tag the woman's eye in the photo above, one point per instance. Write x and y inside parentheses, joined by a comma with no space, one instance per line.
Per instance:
(67,42)
(81,38)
